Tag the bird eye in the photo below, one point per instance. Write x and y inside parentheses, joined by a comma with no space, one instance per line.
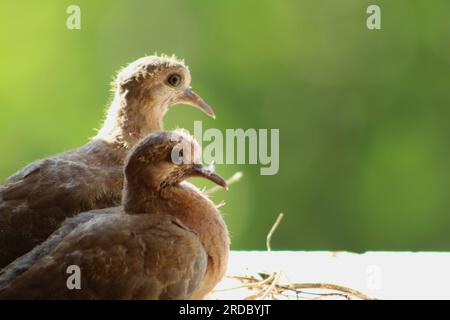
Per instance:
(174,80)
(177,157)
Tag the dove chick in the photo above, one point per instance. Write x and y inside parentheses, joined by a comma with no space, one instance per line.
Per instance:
(35,200)
(169,242)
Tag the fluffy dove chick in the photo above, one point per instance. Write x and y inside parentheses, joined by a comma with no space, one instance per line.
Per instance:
(35,200)
(169,243)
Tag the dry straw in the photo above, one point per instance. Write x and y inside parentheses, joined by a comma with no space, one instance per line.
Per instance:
(269,286)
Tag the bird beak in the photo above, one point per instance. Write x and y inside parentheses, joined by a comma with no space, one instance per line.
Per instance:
(208,172)
(191,98)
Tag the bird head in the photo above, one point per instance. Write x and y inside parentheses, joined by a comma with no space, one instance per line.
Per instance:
(164,159)
(143,92)
(159,82)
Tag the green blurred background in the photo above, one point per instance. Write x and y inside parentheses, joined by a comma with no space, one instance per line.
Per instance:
(363,115)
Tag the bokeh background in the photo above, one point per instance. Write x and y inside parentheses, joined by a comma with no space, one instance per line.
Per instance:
(363,115)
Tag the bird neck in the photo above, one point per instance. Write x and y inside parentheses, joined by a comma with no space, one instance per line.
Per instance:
(139,197)
(129,119)
(196,211)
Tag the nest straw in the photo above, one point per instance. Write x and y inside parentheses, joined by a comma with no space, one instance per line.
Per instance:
(268,285)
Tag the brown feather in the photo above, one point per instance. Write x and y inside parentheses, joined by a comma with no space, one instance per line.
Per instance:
(35,200)
(169,243)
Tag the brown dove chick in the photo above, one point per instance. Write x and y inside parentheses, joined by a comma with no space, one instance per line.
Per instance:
(35,200)
(169,243)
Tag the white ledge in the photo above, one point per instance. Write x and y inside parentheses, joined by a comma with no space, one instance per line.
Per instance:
(382,275)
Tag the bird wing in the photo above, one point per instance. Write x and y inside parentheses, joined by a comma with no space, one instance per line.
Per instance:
(25,262)
(120,256)
(34,201)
